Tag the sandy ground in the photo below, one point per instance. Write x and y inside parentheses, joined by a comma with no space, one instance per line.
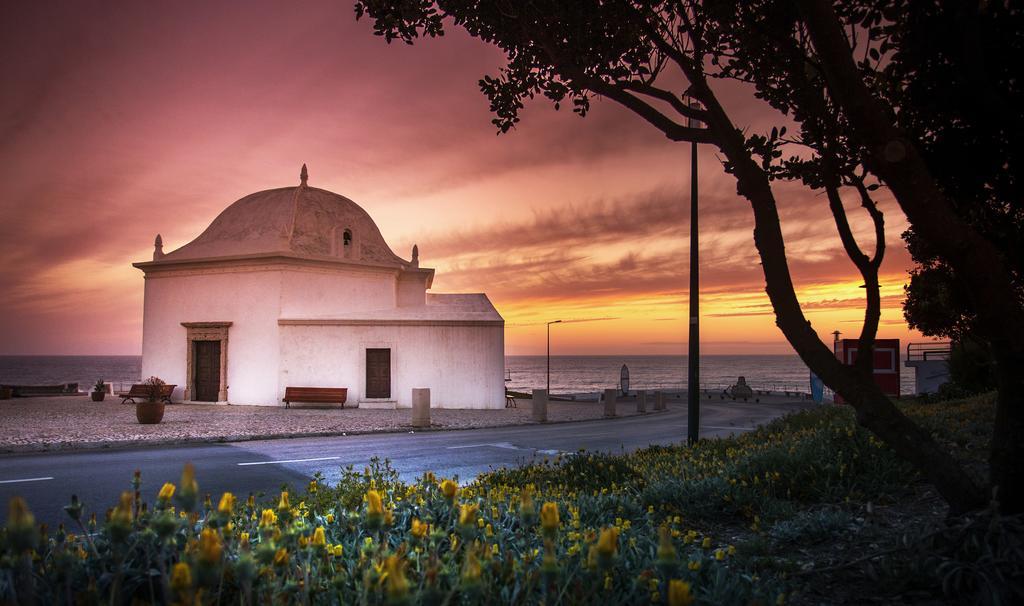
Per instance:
(76,422)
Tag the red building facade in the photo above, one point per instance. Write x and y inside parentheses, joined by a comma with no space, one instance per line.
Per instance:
(886,365)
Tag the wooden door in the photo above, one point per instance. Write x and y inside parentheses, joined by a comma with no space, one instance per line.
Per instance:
(378,373)
(206,361)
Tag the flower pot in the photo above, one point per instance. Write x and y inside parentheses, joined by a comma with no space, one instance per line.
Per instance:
(97,396)
(149,413)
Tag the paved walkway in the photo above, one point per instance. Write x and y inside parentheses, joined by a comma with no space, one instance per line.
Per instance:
(76,422)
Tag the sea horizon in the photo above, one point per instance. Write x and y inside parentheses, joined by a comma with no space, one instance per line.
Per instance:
(569,373)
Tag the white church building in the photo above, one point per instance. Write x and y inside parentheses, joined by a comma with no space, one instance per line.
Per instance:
(296,287)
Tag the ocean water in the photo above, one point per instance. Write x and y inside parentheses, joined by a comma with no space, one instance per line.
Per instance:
(55,370)
(585,374)
(569,374)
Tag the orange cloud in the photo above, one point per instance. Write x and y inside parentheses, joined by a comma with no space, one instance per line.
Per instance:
(123,120)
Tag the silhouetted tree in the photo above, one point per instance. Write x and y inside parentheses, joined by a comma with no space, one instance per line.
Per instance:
(800,59)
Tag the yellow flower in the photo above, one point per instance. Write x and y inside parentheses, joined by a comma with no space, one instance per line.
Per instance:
(527,511)
(549,518)
(181,577)
(210,546)
(693,565)
(666,550)
(268,519)
(281,557)
(243,541)
(312,487)
(374,504)
(449,489)
(189,487)
(679,593)
(419,529)
(319,537)
(397,584)
(389,517)
(283,504)
(732,550)
(123,511)
(121,518)
(338,550)
(467,514)
(706,543)
(21,524)
(166,492)
(719,554)
(227,504)
(608,542)
(330,518)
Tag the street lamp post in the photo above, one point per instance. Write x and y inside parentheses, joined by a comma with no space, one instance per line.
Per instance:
(549,353)
(693,357)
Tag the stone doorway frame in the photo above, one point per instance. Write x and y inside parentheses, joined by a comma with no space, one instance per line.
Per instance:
(206,331)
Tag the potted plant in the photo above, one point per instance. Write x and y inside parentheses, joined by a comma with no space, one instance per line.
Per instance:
(99,390)
(151,411)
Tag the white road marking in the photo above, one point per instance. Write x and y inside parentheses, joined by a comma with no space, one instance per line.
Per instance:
(26,480)
(289,461)
(504,445)
(722,427)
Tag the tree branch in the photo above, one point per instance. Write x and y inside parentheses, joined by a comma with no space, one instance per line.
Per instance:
(664,95)
(876,218)
(616,92)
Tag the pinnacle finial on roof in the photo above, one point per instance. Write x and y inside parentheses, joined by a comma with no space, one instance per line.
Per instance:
(158,248)
(304,175)
(415,256)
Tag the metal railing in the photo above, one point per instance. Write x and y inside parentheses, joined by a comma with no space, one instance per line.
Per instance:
(931,350)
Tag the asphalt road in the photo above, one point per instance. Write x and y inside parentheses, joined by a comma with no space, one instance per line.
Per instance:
(47,480)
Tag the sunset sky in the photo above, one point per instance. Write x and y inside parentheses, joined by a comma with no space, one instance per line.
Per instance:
(119,120)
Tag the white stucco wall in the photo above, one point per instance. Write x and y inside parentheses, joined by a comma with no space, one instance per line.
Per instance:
(463,365)
(315,293)
(250,300)
(306,326)
(411,289)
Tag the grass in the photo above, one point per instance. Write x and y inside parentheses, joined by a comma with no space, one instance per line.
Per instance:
(809,508)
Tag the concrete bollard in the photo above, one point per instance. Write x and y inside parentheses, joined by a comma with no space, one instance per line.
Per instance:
(659,401)
(540,405)
(610,397)
(421,407)
(641,400)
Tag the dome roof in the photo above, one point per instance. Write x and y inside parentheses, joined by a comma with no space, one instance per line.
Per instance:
(301,220)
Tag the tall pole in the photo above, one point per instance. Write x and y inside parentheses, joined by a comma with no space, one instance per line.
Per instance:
(693,359)
(549,353)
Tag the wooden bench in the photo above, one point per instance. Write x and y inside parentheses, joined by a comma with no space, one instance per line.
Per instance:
(141,390)
(315,395)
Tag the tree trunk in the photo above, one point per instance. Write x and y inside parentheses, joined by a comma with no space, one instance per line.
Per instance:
(977,263)
(874,410)
(1006,460)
